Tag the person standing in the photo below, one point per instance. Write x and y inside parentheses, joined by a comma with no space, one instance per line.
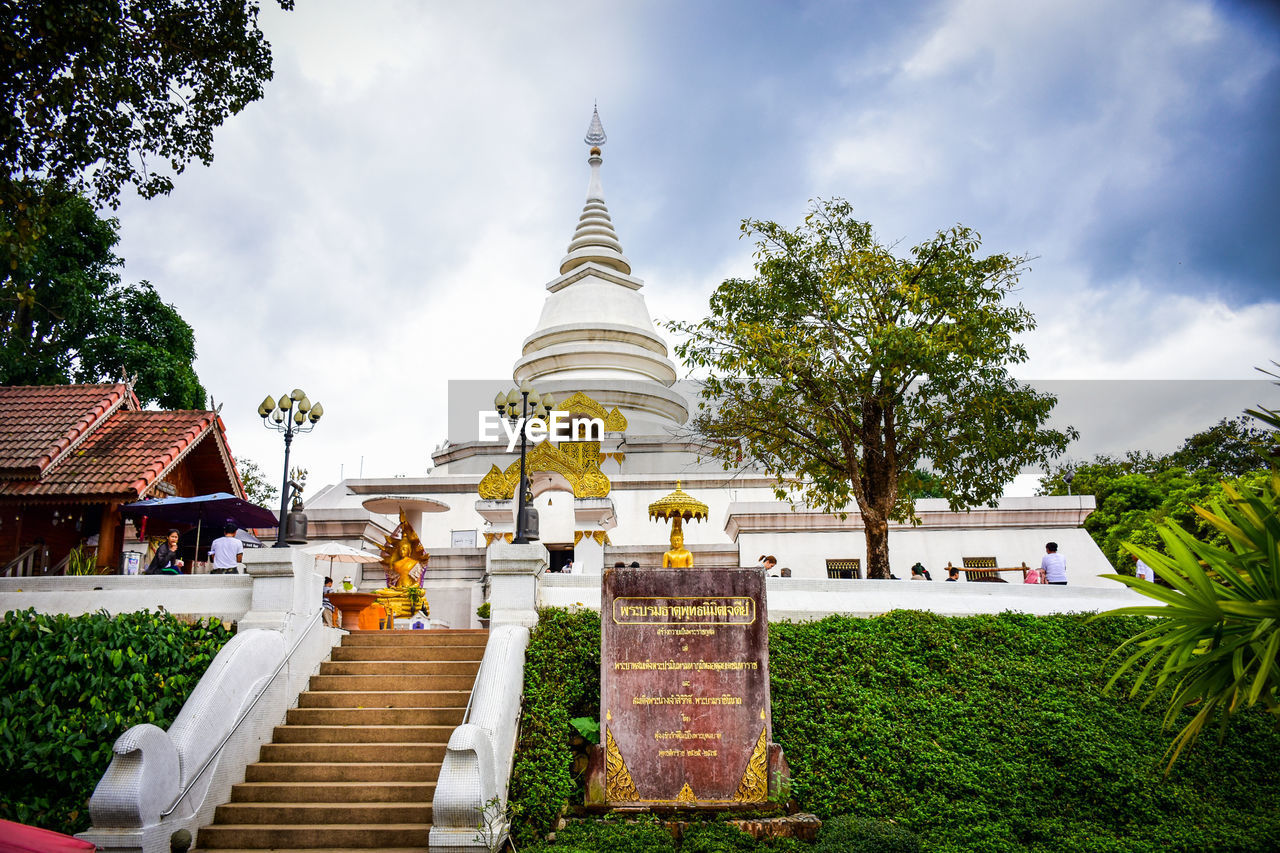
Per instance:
(1054,565)
(1141,570)
(953,574)
(226,553)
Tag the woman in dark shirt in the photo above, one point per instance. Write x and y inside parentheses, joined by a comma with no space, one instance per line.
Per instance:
(166,561)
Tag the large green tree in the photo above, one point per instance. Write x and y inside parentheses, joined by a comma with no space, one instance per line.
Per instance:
(840,367)
(98,94)
(1140,492)
(66,317)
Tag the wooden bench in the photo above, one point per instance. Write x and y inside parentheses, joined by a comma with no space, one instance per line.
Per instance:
(985,569)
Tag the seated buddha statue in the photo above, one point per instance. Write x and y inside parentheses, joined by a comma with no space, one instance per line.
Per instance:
(404,595)
(678,557)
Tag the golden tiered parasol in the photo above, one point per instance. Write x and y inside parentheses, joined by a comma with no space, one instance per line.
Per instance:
(678,507)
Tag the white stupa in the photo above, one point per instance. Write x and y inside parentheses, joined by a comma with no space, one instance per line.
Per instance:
(596,350)
(595,335)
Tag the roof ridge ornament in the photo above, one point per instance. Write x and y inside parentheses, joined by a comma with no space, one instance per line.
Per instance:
(595,131)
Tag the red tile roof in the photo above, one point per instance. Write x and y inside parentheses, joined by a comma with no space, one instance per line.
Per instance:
(123,457)
(39,423)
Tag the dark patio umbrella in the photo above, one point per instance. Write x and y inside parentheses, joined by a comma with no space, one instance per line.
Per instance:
(217,509)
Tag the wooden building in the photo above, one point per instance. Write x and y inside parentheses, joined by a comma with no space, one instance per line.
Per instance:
(71,455)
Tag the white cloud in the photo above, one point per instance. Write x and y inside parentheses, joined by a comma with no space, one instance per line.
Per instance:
(385,219)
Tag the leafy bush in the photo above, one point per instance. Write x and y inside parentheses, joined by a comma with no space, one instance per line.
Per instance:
(993,733)
(716,837)
(69,686)
(985,733)
(561,681)
(642,834)
(849,834)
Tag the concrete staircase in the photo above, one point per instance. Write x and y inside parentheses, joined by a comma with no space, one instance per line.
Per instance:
(354,767)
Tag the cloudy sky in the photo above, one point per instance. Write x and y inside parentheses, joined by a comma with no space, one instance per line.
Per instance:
(385,218)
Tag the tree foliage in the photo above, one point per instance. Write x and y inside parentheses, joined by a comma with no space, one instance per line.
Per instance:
(257,487)
(1216,645)
(65,316)
(100,94)
(840,367)
(1141,491)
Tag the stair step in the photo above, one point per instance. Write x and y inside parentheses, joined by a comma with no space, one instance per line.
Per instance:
(401,667)
(389,753)
(333,792)
(392,682)
(416,638)
(384,699)
(311,836)
(309,771)
(401,653)
(362,734)
(376,716)
(276,813)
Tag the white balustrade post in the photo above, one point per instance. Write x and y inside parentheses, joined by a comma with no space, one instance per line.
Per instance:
(514,573)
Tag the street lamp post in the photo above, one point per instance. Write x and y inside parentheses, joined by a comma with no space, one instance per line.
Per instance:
(291,414)
(508,405)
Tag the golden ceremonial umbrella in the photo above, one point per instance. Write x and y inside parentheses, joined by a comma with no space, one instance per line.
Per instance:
(678,507)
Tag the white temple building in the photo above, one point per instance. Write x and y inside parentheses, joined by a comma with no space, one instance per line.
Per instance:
(596,351)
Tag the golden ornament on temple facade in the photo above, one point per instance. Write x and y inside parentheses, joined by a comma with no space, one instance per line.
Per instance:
(406,562)
(678,507)
(577,460)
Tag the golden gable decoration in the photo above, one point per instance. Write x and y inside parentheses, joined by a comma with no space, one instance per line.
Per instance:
(577,461)
(580,404)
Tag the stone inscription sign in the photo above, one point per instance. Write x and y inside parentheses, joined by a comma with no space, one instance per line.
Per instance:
(684,687)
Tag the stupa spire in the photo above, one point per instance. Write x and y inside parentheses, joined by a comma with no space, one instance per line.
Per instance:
(594,239)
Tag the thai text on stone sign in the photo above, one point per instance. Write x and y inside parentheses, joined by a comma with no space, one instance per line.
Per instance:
(683,735)
(731,610)
(687,699)
(691,665)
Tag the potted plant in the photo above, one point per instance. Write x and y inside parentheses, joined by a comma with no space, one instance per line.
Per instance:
(483,612)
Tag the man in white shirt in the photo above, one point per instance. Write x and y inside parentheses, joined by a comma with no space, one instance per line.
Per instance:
(1054,565)
(227,552)
(1141,570)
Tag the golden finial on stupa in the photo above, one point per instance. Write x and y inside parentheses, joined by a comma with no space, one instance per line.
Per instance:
(678,507)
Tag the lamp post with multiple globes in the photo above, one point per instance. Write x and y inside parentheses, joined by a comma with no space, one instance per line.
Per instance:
(291,414)
(514,406)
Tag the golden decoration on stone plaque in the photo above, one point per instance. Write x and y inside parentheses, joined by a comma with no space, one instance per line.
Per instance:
(678,507)
(686,795)
(754,787)
(403,554)
(617,779)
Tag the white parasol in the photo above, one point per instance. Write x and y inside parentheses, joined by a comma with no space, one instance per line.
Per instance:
(336,552)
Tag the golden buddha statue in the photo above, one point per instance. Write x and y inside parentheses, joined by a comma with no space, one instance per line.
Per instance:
(403,554)
(678,557)
(676,507)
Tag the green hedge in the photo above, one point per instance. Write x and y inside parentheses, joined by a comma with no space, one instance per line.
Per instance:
(70,686)
(985,733)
